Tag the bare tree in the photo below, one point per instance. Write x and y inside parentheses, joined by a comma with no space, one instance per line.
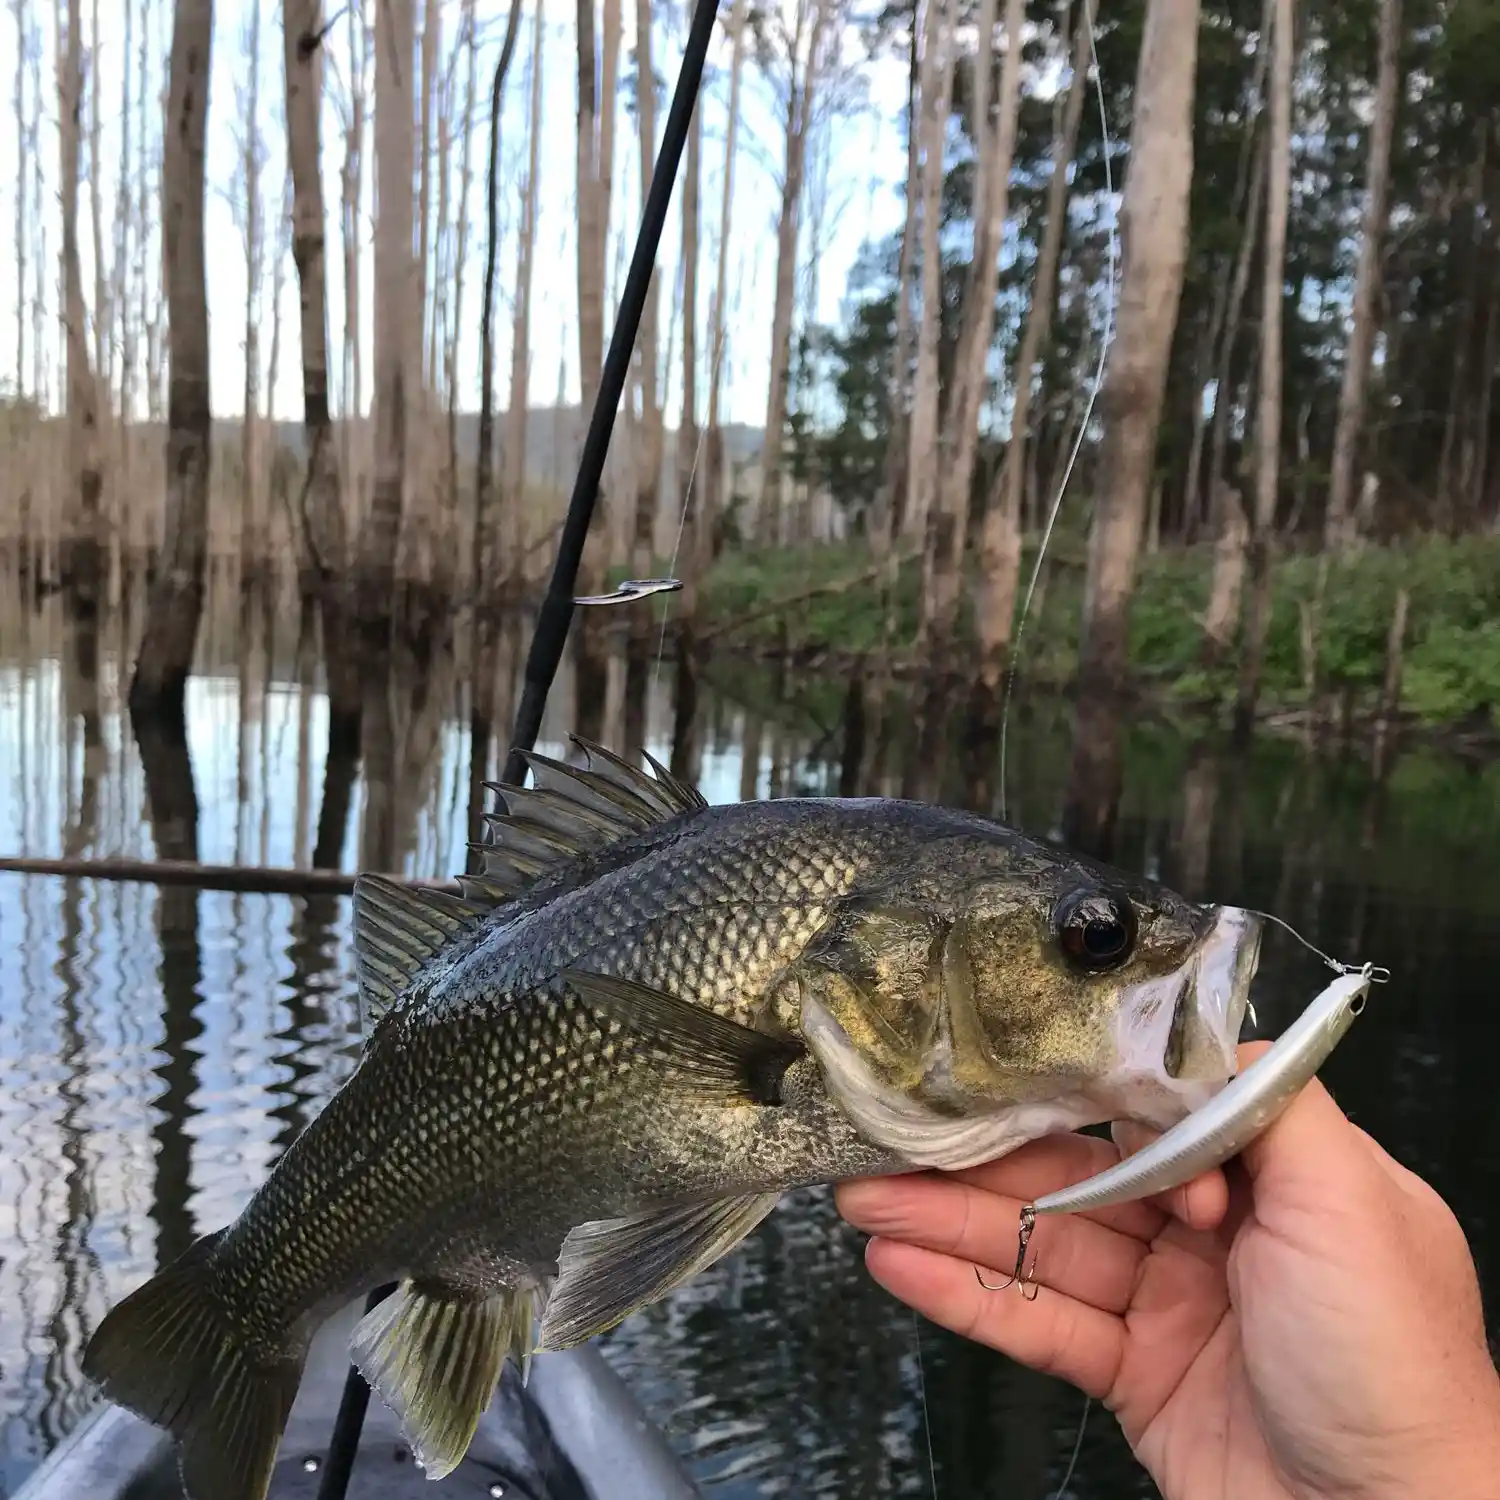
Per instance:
(103,348)
(18,10)
(1268,410)
(687,429)
(802,48)
(252,154)
(469,39)
(1154,221)
(324,528)
(970,383)
(176,598)
(396,381)
(82,559)
(648,472)
(1351,412)
(892,500)
(596,113)
(120,272)
(485,561)
(351,193)
(514,479)
(714,476)
(936,89)
(1000,551)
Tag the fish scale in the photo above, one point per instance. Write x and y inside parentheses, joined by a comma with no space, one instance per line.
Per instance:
(585,1082)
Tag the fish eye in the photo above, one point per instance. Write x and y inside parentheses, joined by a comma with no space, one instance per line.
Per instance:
(1096,931)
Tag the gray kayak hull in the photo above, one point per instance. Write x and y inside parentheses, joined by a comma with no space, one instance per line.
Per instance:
(573,1432)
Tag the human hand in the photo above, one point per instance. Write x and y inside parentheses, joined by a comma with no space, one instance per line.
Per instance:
(1307,1326)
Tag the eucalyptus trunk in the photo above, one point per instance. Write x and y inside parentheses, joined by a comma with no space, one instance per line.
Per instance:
(1154,229)
(1268,409)
(948,530)
(1351,412)
(1000,545)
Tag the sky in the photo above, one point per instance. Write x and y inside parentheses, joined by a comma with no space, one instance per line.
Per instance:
(864,155)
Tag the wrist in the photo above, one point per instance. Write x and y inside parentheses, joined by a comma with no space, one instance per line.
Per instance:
(1456,1458)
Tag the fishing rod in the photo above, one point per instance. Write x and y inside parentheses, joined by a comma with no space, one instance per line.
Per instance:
(550,634)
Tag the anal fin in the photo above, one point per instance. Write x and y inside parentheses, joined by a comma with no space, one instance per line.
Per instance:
(611,1267)
(434,1353)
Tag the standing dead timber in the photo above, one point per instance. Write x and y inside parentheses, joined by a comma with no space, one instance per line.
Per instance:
(592,1075)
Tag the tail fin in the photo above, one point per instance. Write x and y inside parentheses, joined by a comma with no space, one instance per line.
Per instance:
(170,1353)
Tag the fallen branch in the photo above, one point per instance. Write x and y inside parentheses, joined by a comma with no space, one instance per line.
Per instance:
(257,878)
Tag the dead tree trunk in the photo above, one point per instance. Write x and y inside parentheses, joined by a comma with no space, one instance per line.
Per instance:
(324,542)
(937,94)
(82,552)
(1268,411)
(1351,411)
(715,478)
(1000,548)
(1154,222)
(18,10)
(486,563)
(688,489)
(252,543)
(514,479)
(812,18)
(648,472)
(351,179)
(176,598)
(892,499)
(396,383)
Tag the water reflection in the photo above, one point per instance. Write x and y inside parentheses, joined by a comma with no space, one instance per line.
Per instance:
(159,1049)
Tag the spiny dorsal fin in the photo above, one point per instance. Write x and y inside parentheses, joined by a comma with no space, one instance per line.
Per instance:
(570,812)
(609,1268)
(397,929)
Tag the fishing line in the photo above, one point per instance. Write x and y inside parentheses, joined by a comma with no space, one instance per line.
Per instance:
(916,1337)
(1067,1478)
(1378,974)
(1110,304)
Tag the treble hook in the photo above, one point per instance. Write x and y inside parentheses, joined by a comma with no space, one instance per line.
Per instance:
(1023,1274)
(632,588)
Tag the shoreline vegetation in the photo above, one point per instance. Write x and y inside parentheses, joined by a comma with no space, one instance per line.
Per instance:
(1404,631)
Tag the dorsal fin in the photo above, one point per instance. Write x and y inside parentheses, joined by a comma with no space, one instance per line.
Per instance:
(397,929)
(571,811)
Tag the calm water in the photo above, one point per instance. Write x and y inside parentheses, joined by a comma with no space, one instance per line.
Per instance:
(159,1049)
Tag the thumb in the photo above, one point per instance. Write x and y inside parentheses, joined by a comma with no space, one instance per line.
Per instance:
(1310,1144)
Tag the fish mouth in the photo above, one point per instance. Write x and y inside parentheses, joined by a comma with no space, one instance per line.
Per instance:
(1174,1047)
(1177,1037)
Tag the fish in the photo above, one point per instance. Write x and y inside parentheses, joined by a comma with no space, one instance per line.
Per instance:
(590,1073)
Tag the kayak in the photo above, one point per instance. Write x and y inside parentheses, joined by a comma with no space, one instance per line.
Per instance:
(573,1432)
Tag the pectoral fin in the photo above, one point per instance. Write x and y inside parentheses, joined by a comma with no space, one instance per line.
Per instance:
(704,1053)
(609,1268)
(433,1354)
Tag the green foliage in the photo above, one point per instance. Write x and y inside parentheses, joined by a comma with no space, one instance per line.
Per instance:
(1452,646)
